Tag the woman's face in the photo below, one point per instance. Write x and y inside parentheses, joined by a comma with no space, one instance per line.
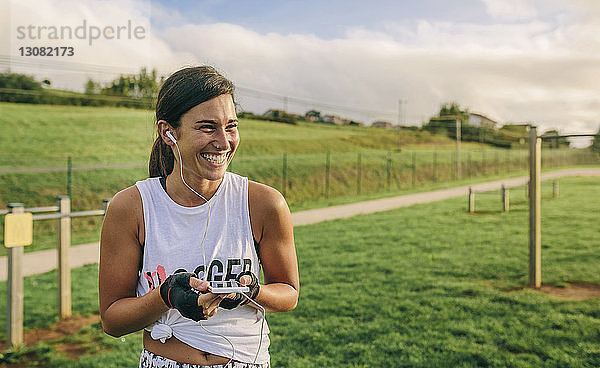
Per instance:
(208,137)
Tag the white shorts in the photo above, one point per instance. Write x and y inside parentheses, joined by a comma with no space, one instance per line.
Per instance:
(151,360)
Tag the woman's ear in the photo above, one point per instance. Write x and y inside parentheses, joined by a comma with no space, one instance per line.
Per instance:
(164,127)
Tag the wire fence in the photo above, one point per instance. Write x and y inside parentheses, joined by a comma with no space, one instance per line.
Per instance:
(330,175)
(315,176)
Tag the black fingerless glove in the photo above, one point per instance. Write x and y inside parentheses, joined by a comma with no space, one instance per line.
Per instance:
(177,293)
(239,299)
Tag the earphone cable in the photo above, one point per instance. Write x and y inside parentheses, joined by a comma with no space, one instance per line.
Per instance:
(261,308)
(262,325)
(207,217)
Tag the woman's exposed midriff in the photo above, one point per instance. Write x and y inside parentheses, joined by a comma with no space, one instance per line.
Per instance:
(181,352)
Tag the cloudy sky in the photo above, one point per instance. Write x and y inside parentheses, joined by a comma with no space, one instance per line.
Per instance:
(514,60)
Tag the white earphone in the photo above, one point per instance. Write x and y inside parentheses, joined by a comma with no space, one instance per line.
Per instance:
(168,133)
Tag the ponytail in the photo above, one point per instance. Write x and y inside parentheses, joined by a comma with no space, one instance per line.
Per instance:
(161,159)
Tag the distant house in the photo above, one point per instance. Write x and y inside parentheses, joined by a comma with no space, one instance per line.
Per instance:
(274,113)
(315,116)
(483,121)
(334,119)
(382,124)
(281,116)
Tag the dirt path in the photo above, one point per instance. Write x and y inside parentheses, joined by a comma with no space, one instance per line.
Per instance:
(46,260)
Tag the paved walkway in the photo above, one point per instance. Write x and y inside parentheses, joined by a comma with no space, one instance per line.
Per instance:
(46,260)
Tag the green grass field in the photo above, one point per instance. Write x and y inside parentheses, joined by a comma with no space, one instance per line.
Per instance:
(363,162)
(45,135)
(424,286)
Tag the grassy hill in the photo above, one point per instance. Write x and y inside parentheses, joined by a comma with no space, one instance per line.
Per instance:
(45,135)
(313,165)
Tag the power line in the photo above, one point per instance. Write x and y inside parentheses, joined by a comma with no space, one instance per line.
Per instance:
(28,63)
(302,101)
(64,66)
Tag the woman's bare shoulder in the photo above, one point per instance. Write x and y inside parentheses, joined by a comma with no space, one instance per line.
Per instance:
(265,198)
(125,208)
(128,198)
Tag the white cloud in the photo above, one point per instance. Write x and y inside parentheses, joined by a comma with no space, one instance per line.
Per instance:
(511,9)
(534,71)
(542,69)
(107,37)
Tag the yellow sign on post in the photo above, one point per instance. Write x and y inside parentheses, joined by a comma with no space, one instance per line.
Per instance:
(18,229)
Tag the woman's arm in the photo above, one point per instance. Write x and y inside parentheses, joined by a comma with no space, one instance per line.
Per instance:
(272,228)
(122,312)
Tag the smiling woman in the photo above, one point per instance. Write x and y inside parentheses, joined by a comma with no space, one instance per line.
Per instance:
(154,270)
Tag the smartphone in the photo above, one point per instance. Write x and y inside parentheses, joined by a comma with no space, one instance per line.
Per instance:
(227,287)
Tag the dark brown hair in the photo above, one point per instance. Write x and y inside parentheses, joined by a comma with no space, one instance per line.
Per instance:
(183,90)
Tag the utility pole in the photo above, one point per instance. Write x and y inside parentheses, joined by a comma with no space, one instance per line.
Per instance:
(402,111)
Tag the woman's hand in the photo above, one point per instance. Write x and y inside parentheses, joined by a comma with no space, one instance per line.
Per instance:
(209,302)
(234,300)
(179,292)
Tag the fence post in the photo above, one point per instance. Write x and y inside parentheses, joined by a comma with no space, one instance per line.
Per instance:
(105,204)
(496,162)
(535,233)
(471,200)
(469,166)
(555,189)
(484,159)
(359,173)
(388,167)
(414,168)
(63,230)
(327,167)
(435,171)
(14,295)
(505,198)
(284,175)
(69,175)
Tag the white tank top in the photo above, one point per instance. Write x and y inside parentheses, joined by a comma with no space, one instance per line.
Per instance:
(173,241)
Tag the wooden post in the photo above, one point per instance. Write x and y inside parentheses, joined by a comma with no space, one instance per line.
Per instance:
(496,163)
(63,230)
(505,198)
(414,168)
(555,189)
(105,204)
(388,168)
(359,173)
(535,200)
(484,163)
(69,175)
(471,200)
(327,169)
(284,174)
(435,171)
(14,294)
(470,168)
